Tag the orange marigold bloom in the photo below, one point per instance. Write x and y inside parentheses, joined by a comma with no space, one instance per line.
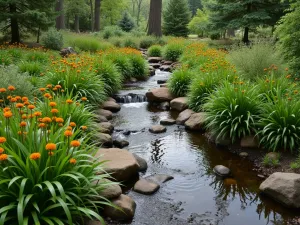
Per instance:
(72,124)
(84,99)
(6,109)
(84,127)
(47,95)
(8,114)
(23,124)
(3,157)
(54,89)
(68,133)
(54,111)
(19,105)
(1,150)
(42,89)
(24,117)
(26,103)
(69,128)
(58,86)
(42,125)
(50,147)
(69,101)
(2,90)
(38,113)
(46,120)
(52,104)
(49,86)
(31,107)
(2,140)
(75,143)
(13,100)
(60,124)
(11,88)
(73,161)
(24,99)
(59,120)
(35,156)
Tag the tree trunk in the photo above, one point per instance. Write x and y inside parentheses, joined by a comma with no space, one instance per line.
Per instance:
(138,12)
(14,25)
(246,35)
(92,15)
(60,20)
(76,21)
(154,22)
(230,32)
(97,15)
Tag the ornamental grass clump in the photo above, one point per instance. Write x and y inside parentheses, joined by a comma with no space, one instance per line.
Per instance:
(155,51)
(48,176)
(32,68)
(179,81)
(233,110)
(173,51)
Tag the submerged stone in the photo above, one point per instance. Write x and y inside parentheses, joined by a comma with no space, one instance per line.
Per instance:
(221,170)
(145,187)
(156,129)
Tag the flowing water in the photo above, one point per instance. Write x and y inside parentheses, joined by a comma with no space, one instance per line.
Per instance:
(195,195)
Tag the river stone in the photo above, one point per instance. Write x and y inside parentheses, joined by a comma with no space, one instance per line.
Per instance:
(105,139)
(167,63)
(143,166)
(120,163)
(110,99)
(249,142)
(156,129)
(159,178)
(161,81)
(106,113)
(110,191)
(196,122)
(120,143)
(164,85)
(152,72)
(274,156)
(167,122)
(126,209)
(284,188)
(111,106)
(155,59)
(184,116)
(166,68)
(145,187)
(221,170)
(107,126)
(243,154)
(159,95)
(155,65)
(179,104)
(100,118)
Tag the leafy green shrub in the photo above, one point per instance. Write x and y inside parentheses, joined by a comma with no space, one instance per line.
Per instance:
(15,53)
(5,59)
(215,36)
(155,51)
(111,76)
(296,164)
(147,41)
(232,111)
(252,62)
(270,161)
(131,43)
(53,39)
(112,31)
(173,51)
(10,75)
(280,125)
(138,66)
(89,44)
(32,68)
(179,82)
(126,23)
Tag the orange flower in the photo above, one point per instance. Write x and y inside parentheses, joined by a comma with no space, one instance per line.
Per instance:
(84,127)
(54,111)
(19,105)
(3,157)
(42,89)
(24,117)
(69,101)
(8,114)
(49,86)
(58,86)
(2,90)
(38,113)
(60,124)
(50,147)
(24,99)
(11,88)
(46,120)
(23,124)
(50,153)
(59,120)
(47,95)
(13,100)
(35,156)
(2,140)
(27,103)
(73,161)
(1,150)
(69,128)
(75,143)
(52,104)
(68,133)
(72,124)
(42,125)
(31,107)
(6,109)
(84,99)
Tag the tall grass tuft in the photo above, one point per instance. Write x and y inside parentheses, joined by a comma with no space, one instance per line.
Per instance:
(179,82)
(155,51)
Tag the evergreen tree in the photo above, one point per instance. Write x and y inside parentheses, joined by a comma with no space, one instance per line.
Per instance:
(226,14)
(126,23)
(26,15)
(194,6)
(176,18)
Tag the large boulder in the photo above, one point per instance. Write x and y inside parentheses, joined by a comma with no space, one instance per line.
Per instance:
(143,166)
(196,122)
(249,142)
(107,127)
(111,106)
(184,116)
(106,113)
(159,95)
(126,209)
(179,104)
(145,187)
(110,191)
(157,129)
(120,163)
(104,139)
(284,188)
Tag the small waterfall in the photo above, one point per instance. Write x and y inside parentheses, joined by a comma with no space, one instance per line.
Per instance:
(130,98)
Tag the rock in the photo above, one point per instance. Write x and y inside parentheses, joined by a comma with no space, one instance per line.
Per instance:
(93,222)
(156,129)
(100,119)
(111,190)
(161,81)
(126,209)
(155,59)
(249,142)
(179,104)
(164,106)
(65,52)
(243,154)
(184,116)
(110,99)
(274,156)
(111,106)
(219,142)
(155,65)
(284,188)
(159,178)
(167,122)
(120,143)
(105,139)
(152,72)
(143,166)
(126,132)
(133,79)
(107,126)
(164,85)
(145,187)
(120,163)
(261,176)
(166,68)
(159,95)
(167,63)
(221,170)
(196,122)
(106,113)
(104,130)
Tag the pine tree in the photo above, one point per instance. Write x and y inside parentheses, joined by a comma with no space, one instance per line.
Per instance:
(176,18)
(126,23)
(26,15)
(226,14)
(194,6)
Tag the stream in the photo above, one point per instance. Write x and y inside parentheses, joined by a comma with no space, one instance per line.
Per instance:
(195,195)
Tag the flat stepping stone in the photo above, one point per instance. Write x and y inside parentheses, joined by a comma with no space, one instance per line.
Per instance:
(157,129)
(145,187)
(196,122)
(221,170)
(179,104)
(161,81)
(159,95)
(106,126)
(143,166)
(184,116)
(155,65)
(167,122)
(159,178)
(111,106)
(155,59)
(120,143)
